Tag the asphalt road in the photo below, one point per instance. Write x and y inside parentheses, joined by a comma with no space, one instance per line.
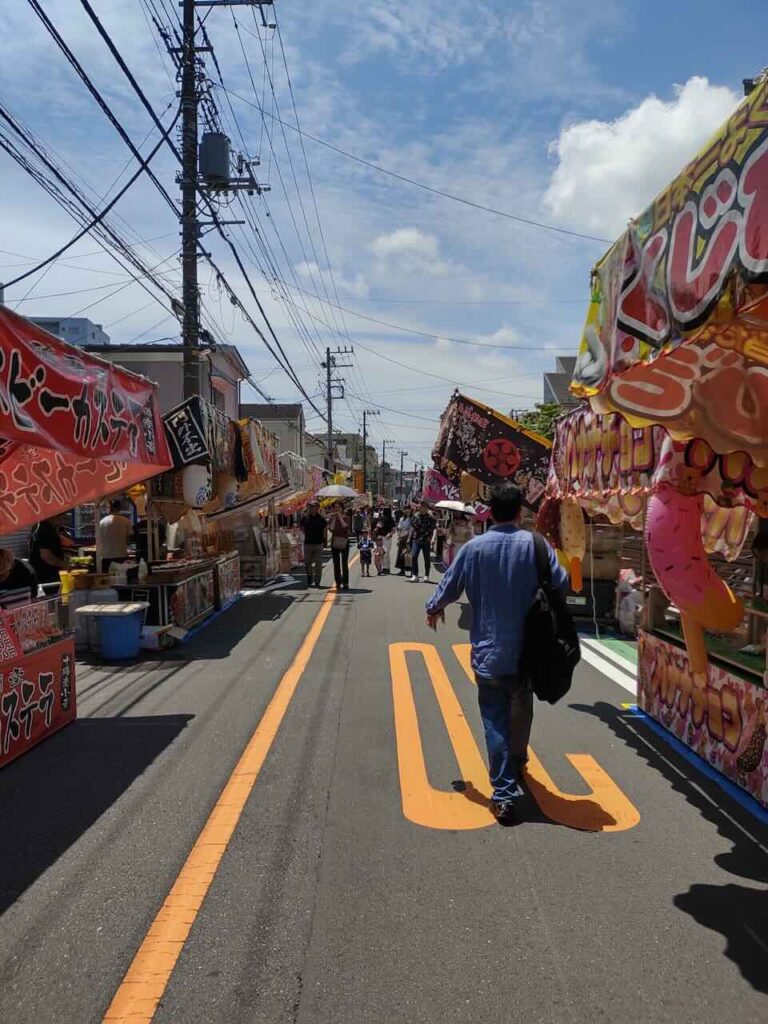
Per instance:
(364,880)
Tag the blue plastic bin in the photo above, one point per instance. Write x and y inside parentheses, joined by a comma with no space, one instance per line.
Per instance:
(120,636)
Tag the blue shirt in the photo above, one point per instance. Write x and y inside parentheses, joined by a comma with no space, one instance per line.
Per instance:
(497,571)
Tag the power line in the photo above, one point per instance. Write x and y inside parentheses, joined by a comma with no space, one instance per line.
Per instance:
(443,337)
(72,199)
(530,222)
(123,134)
(143,166)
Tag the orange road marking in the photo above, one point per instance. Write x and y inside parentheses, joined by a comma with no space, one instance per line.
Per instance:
(604,809)
(422,804)
(147,978)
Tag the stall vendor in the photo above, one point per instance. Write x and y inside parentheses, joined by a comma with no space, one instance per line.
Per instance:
(46,550)
(115,531)
(15,574)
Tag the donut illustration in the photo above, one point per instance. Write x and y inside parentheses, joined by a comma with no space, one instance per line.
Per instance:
(501,457)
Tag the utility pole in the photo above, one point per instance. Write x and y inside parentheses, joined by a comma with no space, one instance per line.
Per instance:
(329,366)
(383,459)
(191,183)
(366,414)
(189,226)
(402,455)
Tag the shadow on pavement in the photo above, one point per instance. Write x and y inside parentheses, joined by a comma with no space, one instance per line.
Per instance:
(564,813)
(738,913)
(53,794)
(116,688)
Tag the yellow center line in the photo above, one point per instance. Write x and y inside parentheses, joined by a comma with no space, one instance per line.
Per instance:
(147,977)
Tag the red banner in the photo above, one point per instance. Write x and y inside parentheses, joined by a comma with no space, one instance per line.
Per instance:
(37,697)
(72,427)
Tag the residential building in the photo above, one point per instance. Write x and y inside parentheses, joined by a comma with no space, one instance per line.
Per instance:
(350,449)
(316,451)
(221,371)
(286,421)
(75,330)
(555,385)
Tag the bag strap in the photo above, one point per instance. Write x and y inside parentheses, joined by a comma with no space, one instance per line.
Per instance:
(543,568)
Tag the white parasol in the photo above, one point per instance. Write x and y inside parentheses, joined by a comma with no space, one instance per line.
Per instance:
(337,491)
(456,506)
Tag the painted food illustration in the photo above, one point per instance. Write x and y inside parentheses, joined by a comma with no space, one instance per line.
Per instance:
(573,536)
(678,558)
(501,457)
(749,760)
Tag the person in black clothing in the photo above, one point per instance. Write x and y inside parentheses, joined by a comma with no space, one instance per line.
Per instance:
(15,574)
(340,528)
(314,526)
(46,552)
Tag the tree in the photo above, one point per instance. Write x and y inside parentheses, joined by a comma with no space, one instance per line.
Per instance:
(542,418)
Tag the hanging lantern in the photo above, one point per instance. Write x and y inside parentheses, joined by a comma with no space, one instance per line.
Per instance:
(226,489)
(197,485)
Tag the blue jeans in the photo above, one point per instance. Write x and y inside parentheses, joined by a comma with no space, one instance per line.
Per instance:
(506,707)
(420,546)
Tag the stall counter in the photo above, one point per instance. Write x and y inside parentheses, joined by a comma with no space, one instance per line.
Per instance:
(178,596)
(227,579)
(722,718)
(37,697)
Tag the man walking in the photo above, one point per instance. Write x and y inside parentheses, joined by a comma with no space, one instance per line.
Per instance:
(422,528)
(314,526)
(497,571)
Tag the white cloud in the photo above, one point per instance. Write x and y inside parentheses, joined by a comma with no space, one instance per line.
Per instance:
(411,249)
(445,34)
(608,171)
(407,242)
(356,287)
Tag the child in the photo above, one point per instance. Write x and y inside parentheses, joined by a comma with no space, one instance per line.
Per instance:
(365,547)
(379,551)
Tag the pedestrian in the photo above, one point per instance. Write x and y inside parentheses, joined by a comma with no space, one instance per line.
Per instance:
(366,548)
(16,575)
(440,543)
(403,558)
(314,526)
(379,554)
(46,550)
(115,531)
(459,532)
(497,572)
(339,528)
(422,529)
(385,530)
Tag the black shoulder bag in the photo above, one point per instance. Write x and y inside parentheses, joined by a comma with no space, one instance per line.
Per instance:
(550,642)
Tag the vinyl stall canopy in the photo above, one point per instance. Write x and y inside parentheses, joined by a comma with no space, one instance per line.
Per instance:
(73,428)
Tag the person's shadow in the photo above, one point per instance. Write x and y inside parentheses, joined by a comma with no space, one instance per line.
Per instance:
(738,912)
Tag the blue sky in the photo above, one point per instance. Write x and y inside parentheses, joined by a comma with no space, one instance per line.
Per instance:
(561,112)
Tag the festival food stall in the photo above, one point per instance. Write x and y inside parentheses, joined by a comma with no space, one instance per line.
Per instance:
(218,466)
(676,337)
(72,429)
